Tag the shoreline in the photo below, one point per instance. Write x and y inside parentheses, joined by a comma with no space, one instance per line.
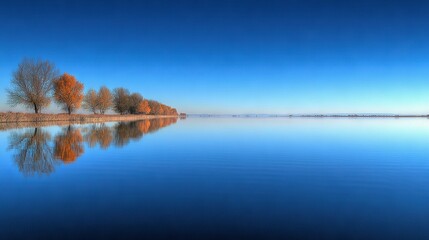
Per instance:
(22,120)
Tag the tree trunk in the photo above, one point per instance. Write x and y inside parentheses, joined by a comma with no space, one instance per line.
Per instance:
(36,109)
(69,110)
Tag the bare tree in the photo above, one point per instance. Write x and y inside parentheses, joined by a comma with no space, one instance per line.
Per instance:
(90,101)
(134,101)
(121,100)
(32,84)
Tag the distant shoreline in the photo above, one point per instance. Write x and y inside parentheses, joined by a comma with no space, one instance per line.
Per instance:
(305,116)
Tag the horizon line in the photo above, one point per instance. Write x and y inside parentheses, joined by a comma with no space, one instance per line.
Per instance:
(311,114)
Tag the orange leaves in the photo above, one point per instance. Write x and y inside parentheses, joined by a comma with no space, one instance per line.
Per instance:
(157,108)
(68,92)
(104,99)
(144,107)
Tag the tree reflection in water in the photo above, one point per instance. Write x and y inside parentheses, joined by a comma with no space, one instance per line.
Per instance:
(68,145)
(33,155)
(99,134)
(36,153)
(126,131)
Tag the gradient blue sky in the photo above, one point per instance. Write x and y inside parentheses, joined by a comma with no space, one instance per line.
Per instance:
(233,56)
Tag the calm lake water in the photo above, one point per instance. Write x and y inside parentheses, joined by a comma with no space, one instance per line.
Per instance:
(217,178)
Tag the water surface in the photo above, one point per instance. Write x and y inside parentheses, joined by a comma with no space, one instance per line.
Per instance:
(217,178)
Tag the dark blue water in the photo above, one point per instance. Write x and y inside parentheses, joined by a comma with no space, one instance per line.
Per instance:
(217,178)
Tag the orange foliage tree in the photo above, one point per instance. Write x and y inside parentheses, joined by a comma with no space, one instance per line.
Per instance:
(68,92)
(104,99)
(157,108)
(144,107)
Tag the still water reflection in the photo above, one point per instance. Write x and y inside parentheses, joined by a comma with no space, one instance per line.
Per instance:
(33,154)
(217,178)
(38,153)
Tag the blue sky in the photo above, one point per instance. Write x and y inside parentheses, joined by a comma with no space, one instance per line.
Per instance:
(232,56)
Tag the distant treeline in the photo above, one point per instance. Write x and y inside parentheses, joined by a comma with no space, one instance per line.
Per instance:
(35,82)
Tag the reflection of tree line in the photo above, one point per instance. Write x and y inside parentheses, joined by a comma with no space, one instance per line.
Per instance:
(123,132)
(35,154)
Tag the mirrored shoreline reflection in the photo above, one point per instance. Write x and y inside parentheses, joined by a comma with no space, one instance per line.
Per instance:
(36,152)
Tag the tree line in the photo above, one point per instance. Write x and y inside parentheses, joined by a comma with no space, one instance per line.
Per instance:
(35,81)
